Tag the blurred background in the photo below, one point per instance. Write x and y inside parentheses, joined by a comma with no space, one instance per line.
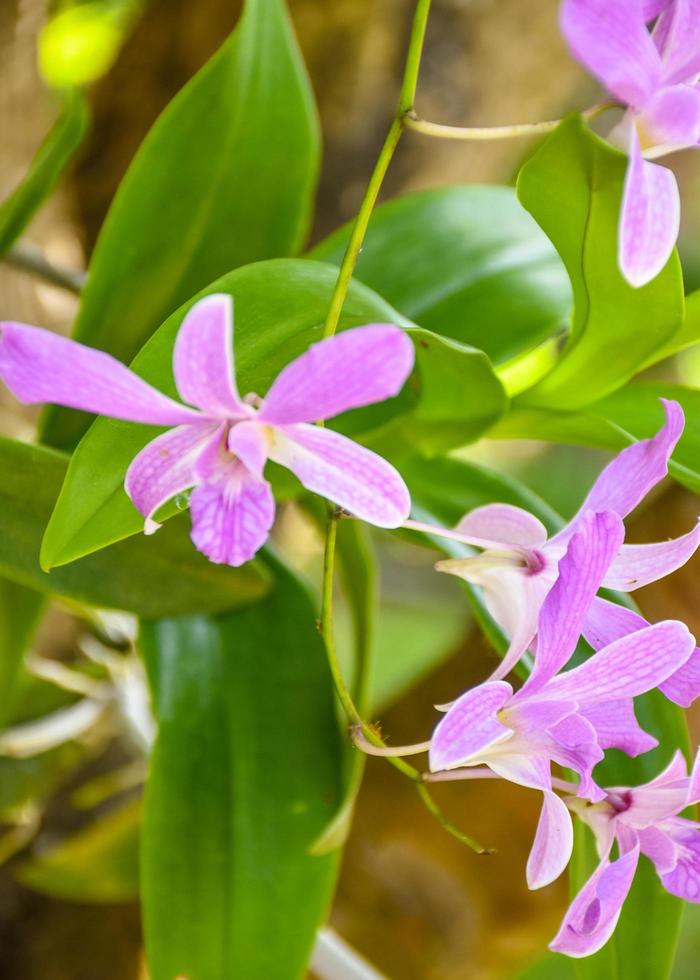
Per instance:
(415,902)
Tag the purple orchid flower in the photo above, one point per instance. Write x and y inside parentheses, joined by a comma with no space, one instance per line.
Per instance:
(519,564)
(220,446)
(566,718)
(641,820)
(655,75)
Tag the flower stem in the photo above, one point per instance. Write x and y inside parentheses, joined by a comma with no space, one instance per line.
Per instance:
(359,230)
(478,133)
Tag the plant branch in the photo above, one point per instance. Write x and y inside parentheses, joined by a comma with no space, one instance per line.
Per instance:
(477,133)
(29,258)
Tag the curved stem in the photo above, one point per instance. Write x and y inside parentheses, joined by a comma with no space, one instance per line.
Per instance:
(477,133)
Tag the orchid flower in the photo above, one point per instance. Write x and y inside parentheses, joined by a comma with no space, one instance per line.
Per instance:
(519,563)
(654,75)
(641,820)
(567,718)
(221,445)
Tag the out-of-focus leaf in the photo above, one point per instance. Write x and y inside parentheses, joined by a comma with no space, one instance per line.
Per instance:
(225,177)
(436,494)
(573,187)
(50,162)
(467,262)
(248,738)
(149,576)
(20,609)
(97,864)
(280,308)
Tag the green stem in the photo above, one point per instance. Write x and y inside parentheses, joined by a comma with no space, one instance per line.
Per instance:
(359,230)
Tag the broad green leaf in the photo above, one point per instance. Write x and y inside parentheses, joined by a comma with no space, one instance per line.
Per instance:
(49,164)
(689,333)
(444,493)
(96,864)
(225,177)
(280,308)
(149,576)
(20,609)
(573,187)
(248,739)
(467,262)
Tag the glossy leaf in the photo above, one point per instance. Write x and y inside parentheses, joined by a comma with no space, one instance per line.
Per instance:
(573,186)
(248,738)
(467,262)
(196,201)
(148,576)
(20,609)
(97,864)
(49,164)
(280,308)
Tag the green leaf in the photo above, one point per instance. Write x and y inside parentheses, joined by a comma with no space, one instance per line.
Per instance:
(573,187)
(49,164)
(225,177)
(280,309)
(444,493)
(467,262)
(149,576)
(248,738)
(20,609)
(96,864)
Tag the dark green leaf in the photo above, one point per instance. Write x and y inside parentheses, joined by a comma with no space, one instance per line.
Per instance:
(244,776)
(149,576)
(225,177)
(97,864)
(280,309)
(467,262)
(573,187)
(20,609)
(50,162)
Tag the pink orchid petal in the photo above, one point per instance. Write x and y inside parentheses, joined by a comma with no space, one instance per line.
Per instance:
(652,8)
(649,218)
(672,117)
(250,441)
(470,726)
(629,477)
(575,746)
(659,847)
(593,914)
(232,517)
(632,665)
(203,359)
(166,467)
(683,878)
(609,37)
(357,479)
(505,523)
(39,366)
(677,37)
(694,782)
(532,770)
(553,844)
(514,599)
(356,367)
(581,571)
(683,687)
(639,564)
(616,727)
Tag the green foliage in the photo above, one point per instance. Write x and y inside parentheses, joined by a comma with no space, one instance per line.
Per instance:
(280,308)
(464,261)
(573,187)
(151,577)
(244,776)
(20,609)
(49,164)
(196,201)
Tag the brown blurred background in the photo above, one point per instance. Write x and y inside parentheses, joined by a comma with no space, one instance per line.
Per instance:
(415,902)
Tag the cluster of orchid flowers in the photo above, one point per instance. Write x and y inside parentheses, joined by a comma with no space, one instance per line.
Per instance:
(541,591)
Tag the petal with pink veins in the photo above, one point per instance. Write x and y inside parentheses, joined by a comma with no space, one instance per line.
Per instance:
(357,479)
(649,218)
(39,366)
(203,359)
(250,441)
(356,367)
(470,726)
(677,37)
(166,467)
(639,564)
(610,38)
(672,117)
(683,878)
(503,522)
(593,914)
(616,727)
(553,844)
